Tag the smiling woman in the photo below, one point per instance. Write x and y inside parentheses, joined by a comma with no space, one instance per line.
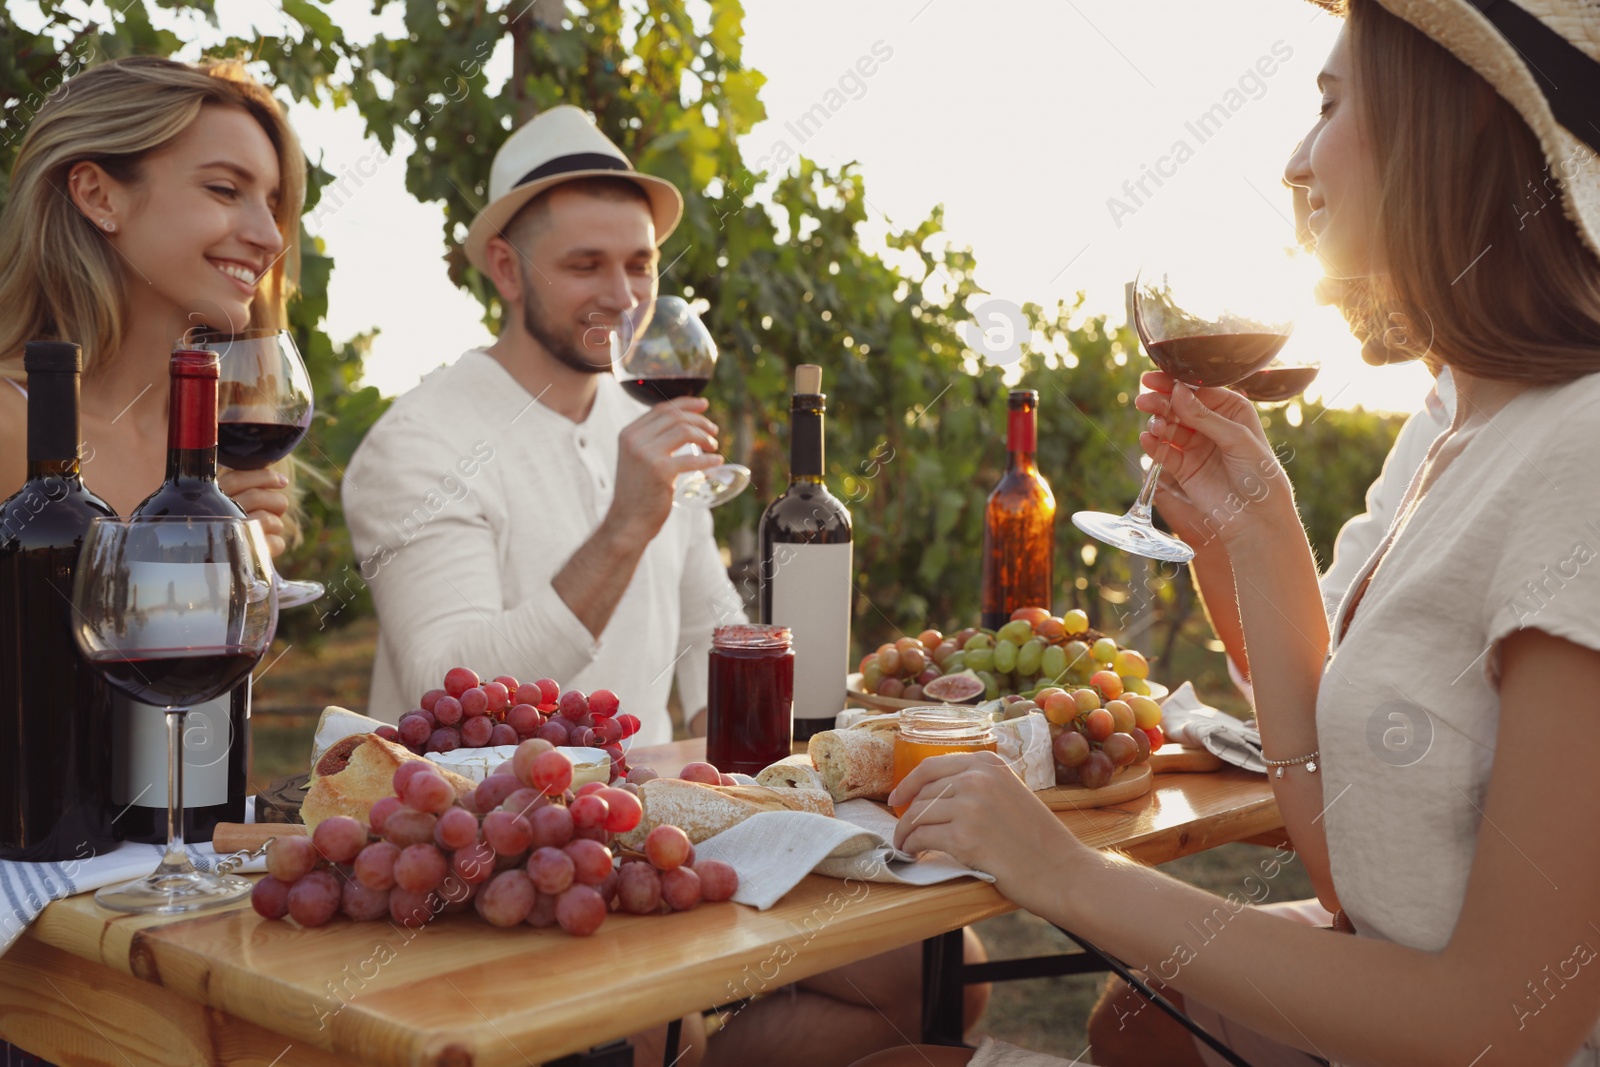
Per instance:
(152,197)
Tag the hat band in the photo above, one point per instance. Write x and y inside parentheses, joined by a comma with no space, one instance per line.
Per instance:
(1569,79)
(574,162)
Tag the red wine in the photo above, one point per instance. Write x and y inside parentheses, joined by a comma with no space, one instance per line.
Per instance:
(655,390)
(55,709)
(1215,359)
(217,733)
(1276,384)
(806,577)
(175,677)
(249,446)
(1019,523)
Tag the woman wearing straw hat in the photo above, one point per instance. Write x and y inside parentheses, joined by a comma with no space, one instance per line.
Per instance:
(1455,193)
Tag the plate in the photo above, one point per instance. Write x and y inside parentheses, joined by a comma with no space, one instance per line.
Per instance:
(862,698)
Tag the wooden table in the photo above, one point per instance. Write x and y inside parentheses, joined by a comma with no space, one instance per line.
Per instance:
(90,986)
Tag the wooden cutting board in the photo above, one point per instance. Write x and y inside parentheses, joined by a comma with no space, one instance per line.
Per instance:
(1175,757)
(1128,783)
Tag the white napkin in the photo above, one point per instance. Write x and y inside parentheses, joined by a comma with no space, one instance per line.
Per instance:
(1188,721)
(25,888)
(773,850)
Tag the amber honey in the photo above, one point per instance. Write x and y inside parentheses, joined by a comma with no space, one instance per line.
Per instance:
(938,731)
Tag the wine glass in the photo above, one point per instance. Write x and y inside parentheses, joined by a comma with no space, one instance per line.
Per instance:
(174,611)
(264,407)
(1199,339)
(674,356)
(1277,383)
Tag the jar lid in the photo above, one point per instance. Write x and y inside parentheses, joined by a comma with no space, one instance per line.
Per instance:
(946,723)
(751,635)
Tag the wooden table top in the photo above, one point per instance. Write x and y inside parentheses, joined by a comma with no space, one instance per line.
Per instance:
(459,991)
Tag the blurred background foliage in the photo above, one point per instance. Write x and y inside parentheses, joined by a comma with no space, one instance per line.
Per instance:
(916,419)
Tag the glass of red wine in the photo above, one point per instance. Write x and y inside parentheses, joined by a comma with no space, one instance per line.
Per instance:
(675,356)
(1200,346)
(264,407)
(1277,383)
(174,611)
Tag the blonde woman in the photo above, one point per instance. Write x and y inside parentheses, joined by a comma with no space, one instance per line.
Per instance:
(148,197)
(1453,174)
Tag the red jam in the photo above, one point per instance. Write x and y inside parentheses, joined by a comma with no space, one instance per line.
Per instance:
(750,701)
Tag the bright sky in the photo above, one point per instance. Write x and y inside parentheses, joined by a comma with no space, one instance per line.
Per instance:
(1024,119)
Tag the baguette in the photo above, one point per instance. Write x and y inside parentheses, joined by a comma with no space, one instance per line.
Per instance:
(792,772)
(854,763)
(704,811)
(358,772)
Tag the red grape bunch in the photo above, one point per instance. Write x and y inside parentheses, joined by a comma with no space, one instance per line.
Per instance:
(520,848)
(468,713)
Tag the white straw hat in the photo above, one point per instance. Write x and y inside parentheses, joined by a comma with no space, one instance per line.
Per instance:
(557,146)
(1543,57)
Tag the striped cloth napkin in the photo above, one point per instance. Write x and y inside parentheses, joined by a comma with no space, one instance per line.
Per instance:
(25,888)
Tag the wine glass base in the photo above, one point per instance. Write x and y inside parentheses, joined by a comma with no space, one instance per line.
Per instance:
(708,488)
(1134,536)
(173,892)
(298,593)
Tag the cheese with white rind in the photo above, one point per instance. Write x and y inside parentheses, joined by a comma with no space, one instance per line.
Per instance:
(335,725)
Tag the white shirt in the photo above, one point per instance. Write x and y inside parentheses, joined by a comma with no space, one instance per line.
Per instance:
(467,498)
(1499,532)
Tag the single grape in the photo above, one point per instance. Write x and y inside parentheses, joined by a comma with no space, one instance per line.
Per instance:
(1053,662)
(361,903)
(525,802)
(580,911)
(871,674)
(718,880)
(892,688)
(591,861)
(944,650)
(1086,699)
(588,812)
(1030,656)
(510,683)
(476,732)
(1096,770)
(1142,739)
(339,838)
(448,711)
(703,773)
(1076,621)
(552,870)
(623,810)
(1017,630)
(388,733)
(582,737)
(444,739)
(407,827)
(493,791)
(456,828)
(603,703)
(1157,736)
(1121,714)
(503,734)
(667,847)
(429,792)
(639,889)
(498,695)
(1052,629)
(913,660)
(630,723)
(314,899)
(543,913)
(524,719)
(727,779)
(680,888)
(641,775)
(459,679)
(403,773)
(549,690)
(1070,749)
(474,702)
(553,732)
(414,729)
(270,898)
(1121,749)
(1099,724)
(551,773)
(374,866)
(930,639)
(552,826)
(1131,661)
(889,661)
(1146,712)
(419,868)
(430,698)
(290,858)
(508,834)
(506,899)
(474,864)
(1005,656)
(528,693)
(408,907)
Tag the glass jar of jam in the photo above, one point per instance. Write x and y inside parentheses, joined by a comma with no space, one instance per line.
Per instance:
(938,731)
(750,698)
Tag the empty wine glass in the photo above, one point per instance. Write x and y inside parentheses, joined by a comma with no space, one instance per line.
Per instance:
(174,611)
(264,407)
(1201,338)
(675,356)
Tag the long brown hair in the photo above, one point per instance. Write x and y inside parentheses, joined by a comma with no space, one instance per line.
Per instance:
(1475,278)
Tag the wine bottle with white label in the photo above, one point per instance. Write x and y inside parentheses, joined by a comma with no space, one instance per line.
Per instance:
(806,577)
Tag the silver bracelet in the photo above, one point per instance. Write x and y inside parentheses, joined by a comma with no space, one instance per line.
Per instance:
(1309,759)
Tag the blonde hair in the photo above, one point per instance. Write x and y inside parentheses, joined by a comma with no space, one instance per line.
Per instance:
(60,279)
(1470,281)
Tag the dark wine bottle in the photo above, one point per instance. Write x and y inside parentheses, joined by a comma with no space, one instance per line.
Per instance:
(216,745)
(1019,523)
(806,577)
(55,710)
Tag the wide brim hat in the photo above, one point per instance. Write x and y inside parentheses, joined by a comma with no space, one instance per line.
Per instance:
(558,146)
(1543,57)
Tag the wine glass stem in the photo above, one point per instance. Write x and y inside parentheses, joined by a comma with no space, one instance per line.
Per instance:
(1144,507)
(176,855)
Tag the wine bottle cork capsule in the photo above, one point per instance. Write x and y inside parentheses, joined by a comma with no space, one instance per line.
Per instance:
(808,379)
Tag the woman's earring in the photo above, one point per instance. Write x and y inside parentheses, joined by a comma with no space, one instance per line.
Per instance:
(108,225)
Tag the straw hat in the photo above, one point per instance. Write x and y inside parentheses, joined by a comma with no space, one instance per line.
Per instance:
(558,146)
(1543,56)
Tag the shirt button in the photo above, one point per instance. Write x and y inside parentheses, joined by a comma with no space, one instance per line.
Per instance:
(581,442)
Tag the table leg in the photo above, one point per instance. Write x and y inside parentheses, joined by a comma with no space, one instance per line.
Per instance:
(943,958)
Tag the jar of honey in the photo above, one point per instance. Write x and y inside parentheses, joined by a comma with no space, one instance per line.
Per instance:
(938,731)
(749,698)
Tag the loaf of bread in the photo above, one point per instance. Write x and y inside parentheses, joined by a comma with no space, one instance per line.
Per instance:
(356,773)
(854,763)
(792,772)
(704,811)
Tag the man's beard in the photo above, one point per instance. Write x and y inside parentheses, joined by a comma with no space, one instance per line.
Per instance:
(567,353)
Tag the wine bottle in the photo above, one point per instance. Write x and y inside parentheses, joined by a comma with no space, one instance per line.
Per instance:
(216,744)
(806,578)
(55,710)
(1019,523)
